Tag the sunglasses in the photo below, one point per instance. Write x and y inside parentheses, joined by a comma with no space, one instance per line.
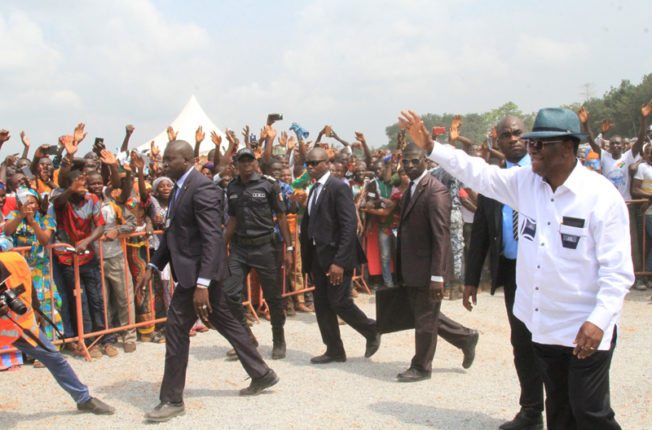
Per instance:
(314,163)
(537,145)
(413,161)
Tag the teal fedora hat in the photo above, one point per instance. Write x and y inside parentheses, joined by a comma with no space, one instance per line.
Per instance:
(555,122)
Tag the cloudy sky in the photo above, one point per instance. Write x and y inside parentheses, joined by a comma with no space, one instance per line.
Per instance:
(351,64)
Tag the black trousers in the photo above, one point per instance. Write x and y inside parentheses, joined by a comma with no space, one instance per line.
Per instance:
(334,300)
(577,391)
(263,258)
(430,322)
(181,317)
(521,339)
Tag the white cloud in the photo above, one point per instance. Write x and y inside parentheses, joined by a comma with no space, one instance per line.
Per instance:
(543,50)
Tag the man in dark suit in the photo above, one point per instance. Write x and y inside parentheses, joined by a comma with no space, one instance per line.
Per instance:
(422,251)
(493,231)
(194,247)
(330,250)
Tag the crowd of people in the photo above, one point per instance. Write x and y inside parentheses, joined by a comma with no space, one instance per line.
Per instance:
(107,207)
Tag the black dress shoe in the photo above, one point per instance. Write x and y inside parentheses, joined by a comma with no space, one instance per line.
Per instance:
(95,406)
(165,411)
(325,358)
(372,346)
(524,420)
(413,375)
(469,350)
(259,384)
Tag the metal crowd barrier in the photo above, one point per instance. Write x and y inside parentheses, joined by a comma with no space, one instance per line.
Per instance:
(636,205)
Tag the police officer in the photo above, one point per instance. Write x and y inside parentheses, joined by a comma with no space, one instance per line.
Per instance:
(253,202)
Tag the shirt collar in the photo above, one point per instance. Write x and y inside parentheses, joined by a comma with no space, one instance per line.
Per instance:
(182,179)
(417,180)
(576,178)
(324,178)
(525,161)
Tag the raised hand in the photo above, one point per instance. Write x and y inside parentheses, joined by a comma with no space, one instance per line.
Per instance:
(172,135)
(69,144)
(108,158)
(606,125)
(583,115)
(245,132)
(79,134)
(328,131)
(292,141)
(4,136)
(493,134)
(199,134)
(360,137)
(154,149)
(453,134)
(283,140)
(216,138)
(413,125)
(646,109)
(24,138)
(78,185)
(270,132)
(137,163)
(457,122)
(129,129)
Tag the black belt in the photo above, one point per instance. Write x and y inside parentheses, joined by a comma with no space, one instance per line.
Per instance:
(255,241)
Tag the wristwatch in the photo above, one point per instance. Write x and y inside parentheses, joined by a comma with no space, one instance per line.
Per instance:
(289,248)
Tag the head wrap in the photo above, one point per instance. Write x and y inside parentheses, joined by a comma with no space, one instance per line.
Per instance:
(160,179)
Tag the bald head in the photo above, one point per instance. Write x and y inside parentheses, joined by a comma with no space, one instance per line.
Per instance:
(318,153)
(317,162)
(508,121)
(183,148)
(177,159)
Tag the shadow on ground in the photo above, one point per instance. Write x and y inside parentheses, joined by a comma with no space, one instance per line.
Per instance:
(431,416)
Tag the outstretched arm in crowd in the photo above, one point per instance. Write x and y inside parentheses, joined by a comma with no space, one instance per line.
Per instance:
(129,129)
(71,145)
(217,140)
(645,114)
(583,115)
(108,159)
(270,135)
(137,166)
(25,140)
(199,138)
(367,153)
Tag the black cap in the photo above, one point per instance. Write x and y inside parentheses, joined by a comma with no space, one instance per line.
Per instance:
(245,152)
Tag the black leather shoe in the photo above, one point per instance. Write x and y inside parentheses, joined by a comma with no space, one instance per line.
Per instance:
(165,411)
(259,384)
(324,358)
(413,375)
(95,406)
(372,346)
(524,420)
(469,350)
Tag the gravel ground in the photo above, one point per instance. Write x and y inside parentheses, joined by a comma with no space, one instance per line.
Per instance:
(360,393)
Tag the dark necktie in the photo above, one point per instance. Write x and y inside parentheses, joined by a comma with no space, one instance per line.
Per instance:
(173,196)
(315,190)
(515,224)
(409,194)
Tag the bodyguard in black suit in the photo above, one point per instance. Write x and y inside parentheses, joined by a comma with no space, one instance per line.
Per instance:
(193,246)
(487,234)
(330,249)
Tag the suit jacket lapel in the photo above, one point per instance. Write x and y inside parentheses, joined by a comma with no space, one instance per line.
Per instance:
(181,194)
(417,193)
(321,195)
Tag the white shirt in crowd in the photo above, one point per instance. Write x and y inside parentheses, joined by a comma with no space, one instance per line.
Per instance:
(617,171)
(644,173)
(574,260)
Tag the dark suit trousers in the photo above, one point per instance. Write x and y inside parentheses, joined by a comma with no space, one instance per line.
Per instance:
(334,300)
(521,338)
(430,322)
(577,390)
(181,317)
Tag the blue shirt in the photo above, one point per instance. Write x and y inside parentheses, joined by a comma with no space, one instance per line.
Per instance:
(509,248)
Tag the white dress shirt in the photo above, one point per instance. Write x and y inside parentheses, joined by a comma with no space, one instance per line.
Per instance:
(315,196)
(567,273)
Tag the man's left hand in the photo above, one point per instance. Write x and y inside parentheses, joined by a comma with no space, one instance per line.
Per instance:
(82,246)
(201,302)
(436,291)
(587,340)
(335,274)
(288,260)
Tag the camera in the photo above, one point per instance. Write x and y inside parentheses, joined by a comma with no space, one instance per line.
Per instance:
(10,298)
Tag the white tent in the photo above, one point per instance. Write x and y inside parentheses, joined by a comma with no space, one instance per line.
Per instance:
(186,123)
